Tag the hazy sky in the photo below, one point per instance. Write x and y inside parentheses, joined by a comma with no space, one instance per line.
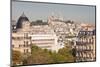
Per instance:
(36,11)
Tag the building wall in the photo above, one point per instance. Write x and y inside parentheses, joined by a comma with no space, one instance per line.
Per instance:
(45,41)
(41,36)
(20,42)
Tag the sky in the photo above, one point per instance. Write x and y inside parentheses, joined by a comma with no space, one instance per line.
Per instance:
(41,11)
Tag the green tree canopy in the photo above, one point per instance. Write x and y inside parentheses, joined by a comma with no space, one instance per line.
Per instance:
(16,57)
(67,52)
(45,56)
(39,56)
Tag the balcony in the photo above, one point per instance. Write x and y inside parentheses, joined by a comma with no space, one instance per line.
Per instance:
(83,43)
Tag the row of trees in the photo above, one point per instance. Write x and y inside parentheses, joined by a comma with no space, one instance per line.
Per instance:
(44,56)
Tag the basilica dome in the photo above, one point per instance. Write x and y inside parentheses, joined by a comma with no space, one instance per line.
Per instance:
(21,19)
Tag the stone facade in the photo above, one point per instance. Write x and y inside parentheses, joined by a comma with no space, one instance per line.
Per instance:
(85,45)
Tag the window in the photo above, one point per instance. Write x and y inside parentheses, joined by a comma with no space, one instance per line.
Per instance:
(13,45)
(90,47)
(26,44)
(20,45)
(26,35)
(89,40)
(13,37)
(26,50)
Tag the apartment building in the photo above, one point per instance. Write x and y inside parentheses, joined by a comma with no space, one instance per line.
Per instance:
(85,44)
(24,35)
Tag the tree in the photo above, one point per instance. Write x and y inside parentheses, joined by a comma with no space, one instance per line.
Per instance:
(58,58)
(67,52)
(16,57)
(45,56)
(39,56)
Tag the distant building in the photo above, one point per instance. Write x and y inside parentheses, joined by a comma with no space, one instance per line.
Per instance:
(27,34)
(43,36)
(66,31)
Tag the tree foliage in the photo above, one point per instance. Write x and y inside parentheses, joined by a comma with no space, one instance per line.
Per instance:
(67,52)
(16,57)
(39,56)
(44,56)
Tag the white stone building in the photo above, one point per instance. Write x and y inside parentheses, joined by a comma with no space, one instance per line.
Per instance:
(25,35)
